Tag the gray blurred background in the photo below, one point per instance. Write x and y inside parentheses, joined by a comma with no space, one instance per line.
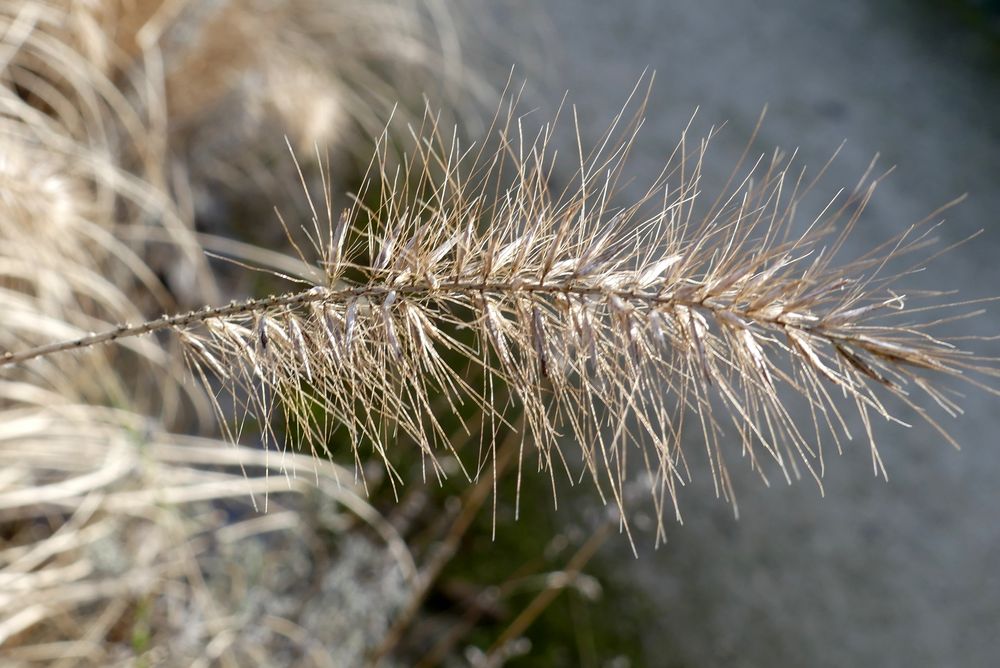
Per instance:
(898,573)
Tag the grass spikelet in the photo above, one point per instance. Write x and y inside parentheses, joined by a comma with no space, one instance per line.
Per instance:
(605,322)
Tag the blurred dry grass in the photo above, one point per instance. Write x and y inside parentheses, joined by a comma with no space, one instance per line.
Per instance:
(121,542)
(124,546)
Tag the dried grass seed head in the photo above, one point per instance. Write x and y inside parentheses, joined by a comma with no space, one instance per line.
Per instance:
(605,324)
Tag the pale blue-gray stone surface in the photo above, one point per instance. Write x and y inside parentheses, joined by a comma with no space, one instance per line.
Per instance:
(904,573)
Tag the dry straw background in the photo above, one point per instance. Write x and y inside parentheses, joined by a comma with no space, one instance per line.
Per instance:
(464,310)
